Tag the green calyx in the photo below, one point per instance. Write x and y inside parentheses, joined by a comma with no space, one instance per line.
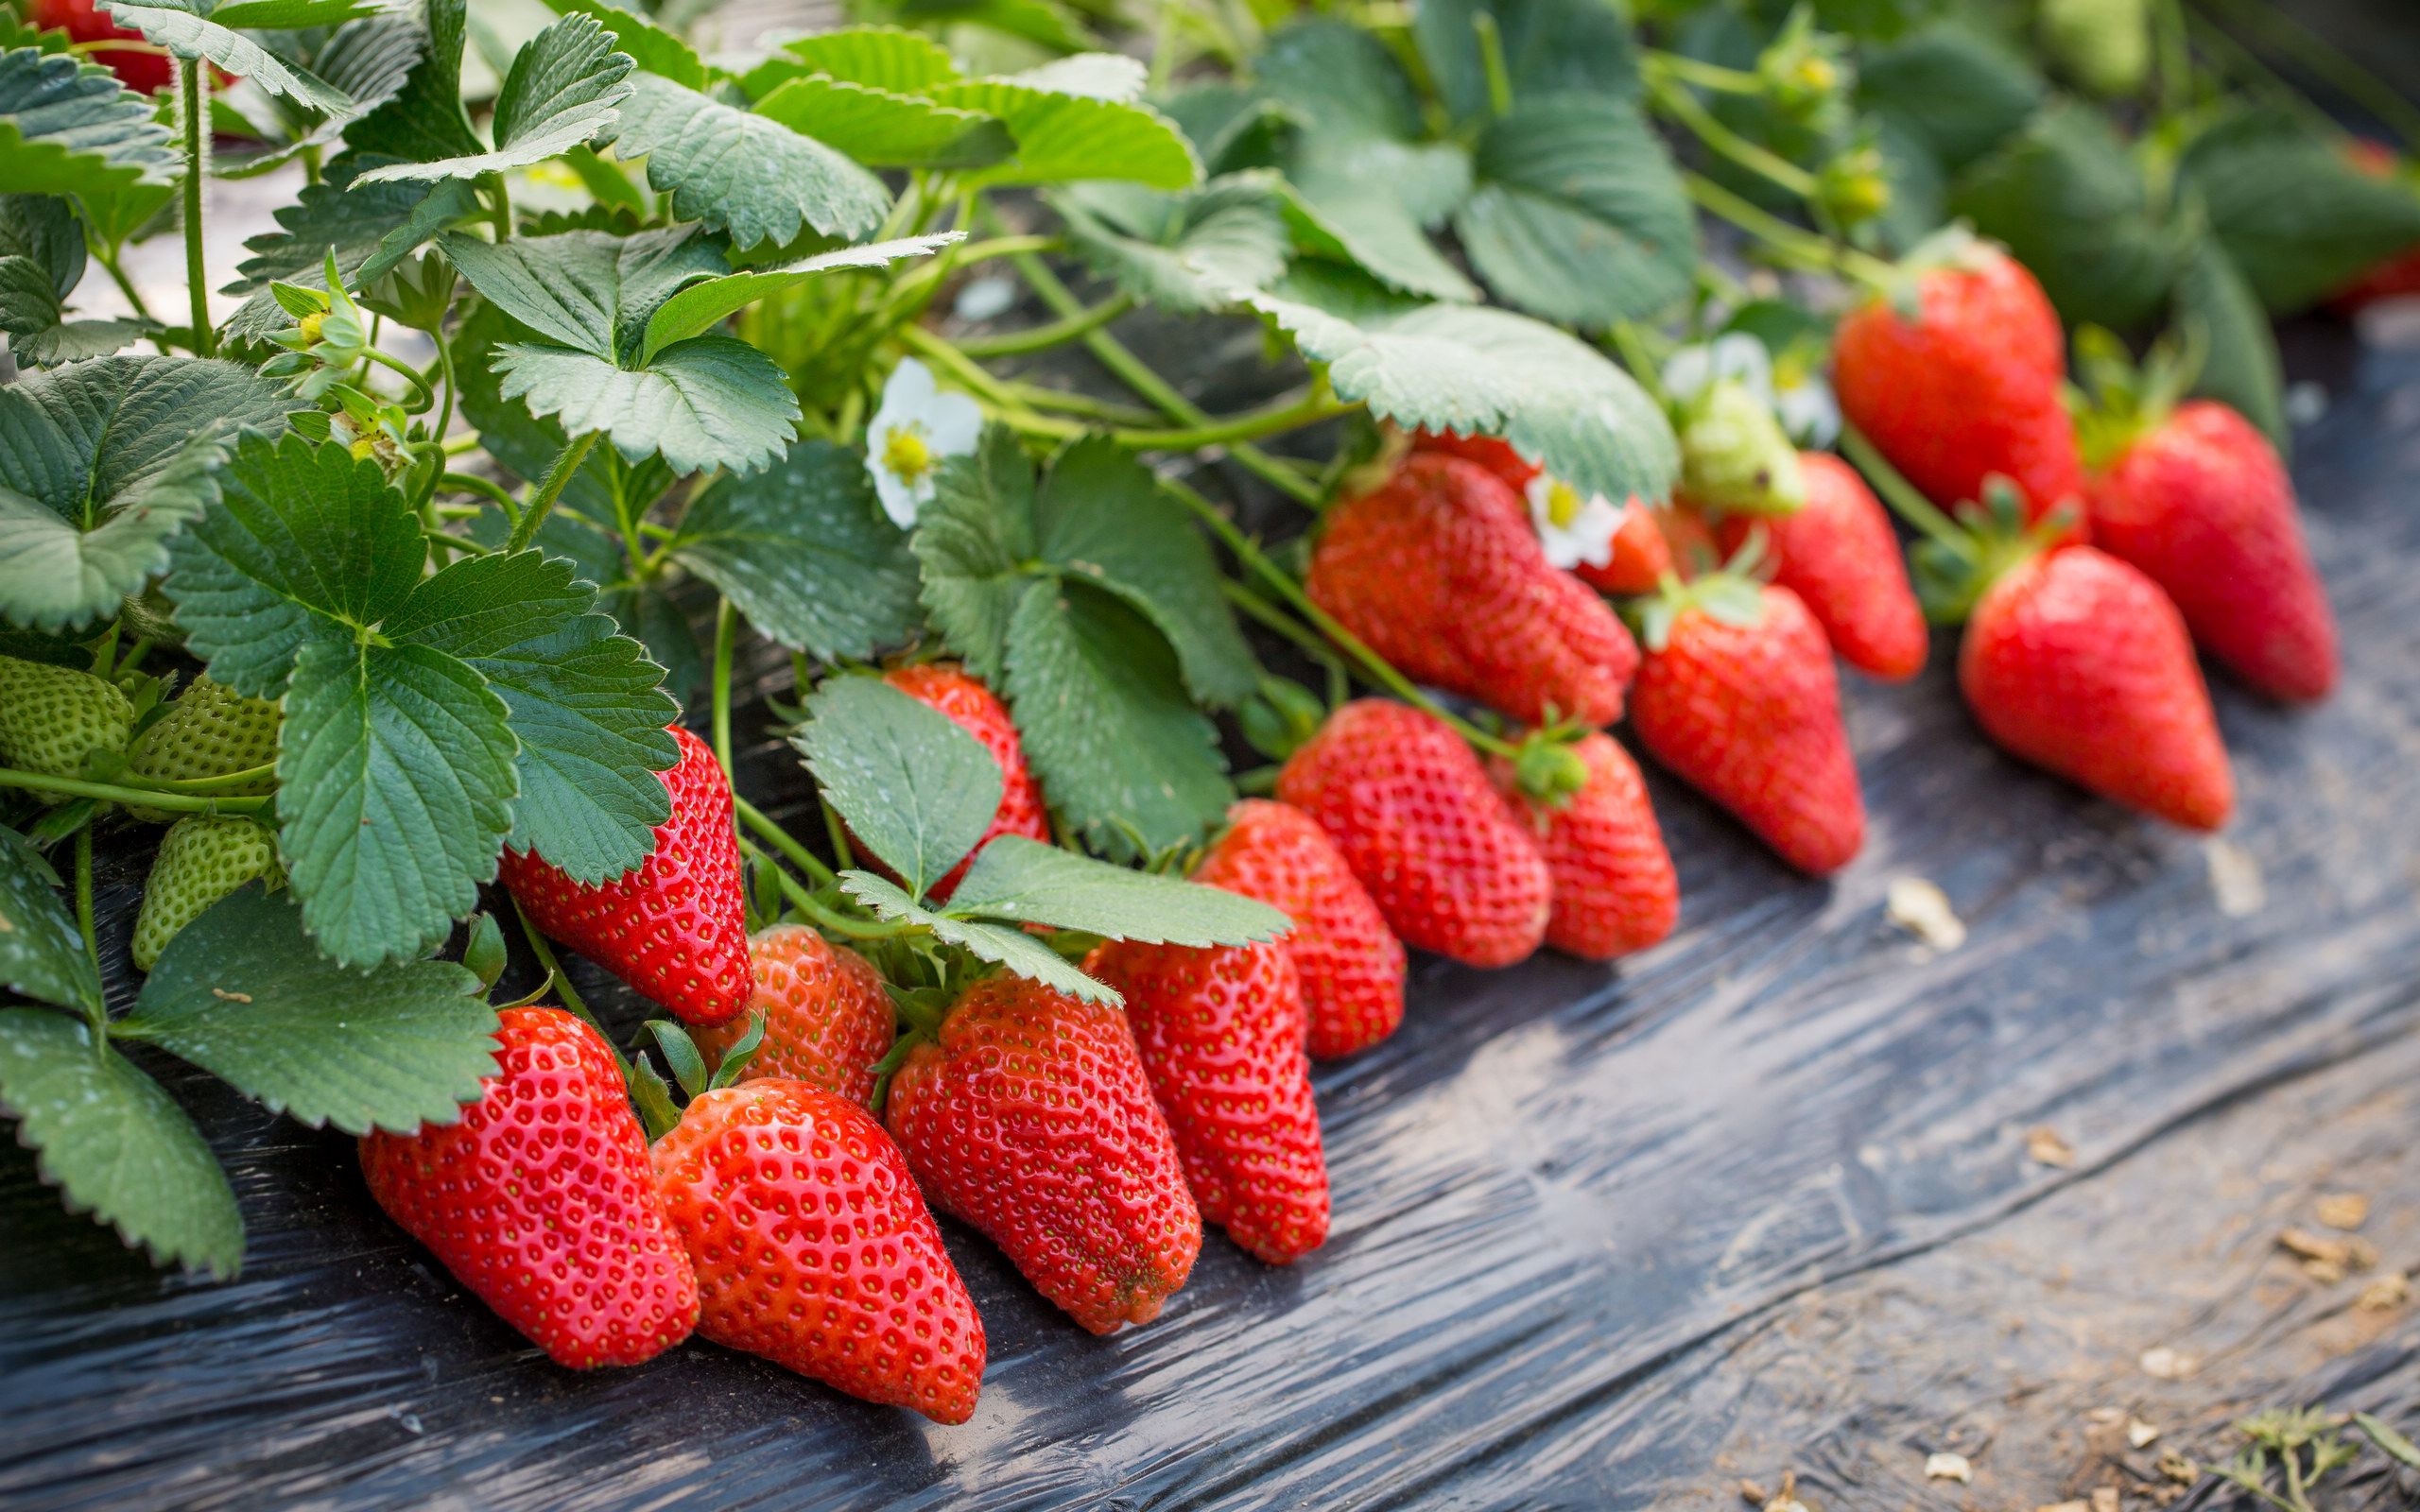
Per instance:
(1730,596)
(1734,456)
(1279,718)
(2117,403)
(652,1095)
(1955,246)
(1953,572)
(1548,770)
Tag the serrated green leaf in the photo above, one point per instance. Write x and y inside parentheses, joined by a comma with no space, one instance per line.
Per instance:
(1102,516)
(1019,952)
(973,540)
(886,131)
(188,35)
(1064,137)
(1232,128)
(1485,371)
(588,290)
(707,302)
(373,229)
(805,552)
(711,401)
(916,789)
(242,993)
(886,58)
(587,707)
(1107,727)
(292,15)
(67,126)
(1578,216)
(41,260)
(80,340)
(1341,78)
(1186,251)
(565,88)
(655,49)
(41,954)
(1549,46)
(1028,883)
(425,121)
(2297,220)
(2242,366)
(1957,91)
(741,173)
(1093,75)
(368,60)
(117,1145)
(101,464)
(114,212)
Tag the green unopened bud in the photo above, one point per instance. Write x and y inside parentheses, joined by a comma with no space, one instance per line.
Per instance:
(2105,45)
(1806,73)
(1856,185)
(1550,770)
(1734,456)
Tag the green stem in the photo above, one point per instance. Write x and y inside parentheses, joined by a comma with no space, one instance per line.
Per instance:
(1284,413)
(97,1013)
(986,386)
(500,206)
(1491,59)
(205,340)
(1654,61)
(837,833)
(807,861)
(1037,397)
(134,654)
(1905,499)
(562,985)
(726,638)
(420,385)
(1682,106)
(805,902)
(211,784)
(1799,244)
(109,793)
(125,284)
(470,482)
(534,513)
(1036,338)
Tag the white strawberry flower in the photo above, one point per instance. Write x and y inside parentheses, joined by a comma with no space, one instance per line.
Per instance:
(1571,530)
(916,427)
(1794,391)
(1805,405)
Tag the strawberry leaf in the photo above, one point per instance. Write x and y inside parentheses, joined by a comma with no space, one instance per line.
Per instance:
(914,787)
(425,121)
(806,554)
(42,955)
(974,541)
(101,464)
(655,49)
(882,130)
(241,993)
(373,229)
(117,1145)
(1027,883)
(1019,952)
(2243,368)
(741,173)
(1549,46)
(700,306)
(1957,91)
(187,31)
(67,126)
(563,88)
(2298,219)
(368,61)
(1061,136)
(1186,251)
(884,57)
(41,260)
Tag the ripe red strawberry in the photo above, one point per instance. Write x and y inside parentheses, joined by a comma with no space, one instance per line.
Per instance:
(980,712)
(1412,811)
(1970,388)
(674,928)
(1493,453)
(1031,1118)
(1840,557)
(1641,555)
(143,73)
(1351,965)
(1613,887)
(1439,571)
(540,1200)
(1221,1030)
(813,1248)
(1739,698)
(2201,505)
(2078,663)
(827,1019)
(1689,541)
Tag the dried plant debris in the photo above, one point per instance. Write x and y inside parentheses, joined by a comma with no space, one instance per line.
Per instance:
(2234,879)
(2328,1260)
(1922,910)
(2162,1363)
(2386,1294)
(2044,1146)
(2342,1210)
(1949,1467)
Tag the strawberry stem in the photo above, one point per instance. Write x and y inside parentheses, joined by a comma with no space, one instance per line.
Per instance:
(110,793)
(563,984)
(98,1013)
(726,640)
(1902,495)
(825,918)
(807,861)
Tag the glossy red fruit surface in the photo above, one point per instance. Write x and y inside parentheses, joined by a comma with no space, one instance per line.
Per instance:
(979,710)
(143,73)
(1493,453)
(1840,557)
(1641,555)
(1350,964)
(1750,715)
(542,1202)
(674,929)
(813,1248)
(2078,663)
(1412,813)
(1221,1029)
(2203,506)
(1440,573)
(1615,891)
(827,1019)
(1971,388)
(1031,1118)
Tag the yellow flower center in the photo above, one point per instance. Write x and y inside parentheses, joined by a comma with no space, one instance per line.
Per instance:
(904,455)
(1563,503)
(311,324)
(1817,74)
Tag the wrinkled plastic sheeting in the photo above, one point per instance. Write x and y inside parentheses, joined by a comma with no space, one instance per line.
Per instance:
(1556,1189)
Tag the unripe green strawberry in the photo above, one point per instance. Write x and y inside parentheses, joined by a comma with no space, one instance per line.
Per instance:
(2105,45)
(210,731)
(52,717)
(1734,456)
(206,857)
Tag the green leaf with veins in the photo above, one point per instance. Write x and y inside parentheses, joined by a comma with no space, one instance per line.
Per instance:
(741,173)
(1957,91)
(101,464)
(973,541)
(1019,952)
(2243,367)
(2296,217)
(916,790)
(374,228)
(603,490)
(1581,47)
(425,121)
(41,954)
(587,706)
(654,49)
(67,126)
(192,34)
(588,290)
(707,402)
(41,260)
(886,131)
(706,304)
(885,58)
(1450,367)
(241,993)
(1064,137)
(116,1145)
(1185,251)
(1578,216)
(566,86)
(805,552)
(1028,883)
(368,60)
(291,15)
